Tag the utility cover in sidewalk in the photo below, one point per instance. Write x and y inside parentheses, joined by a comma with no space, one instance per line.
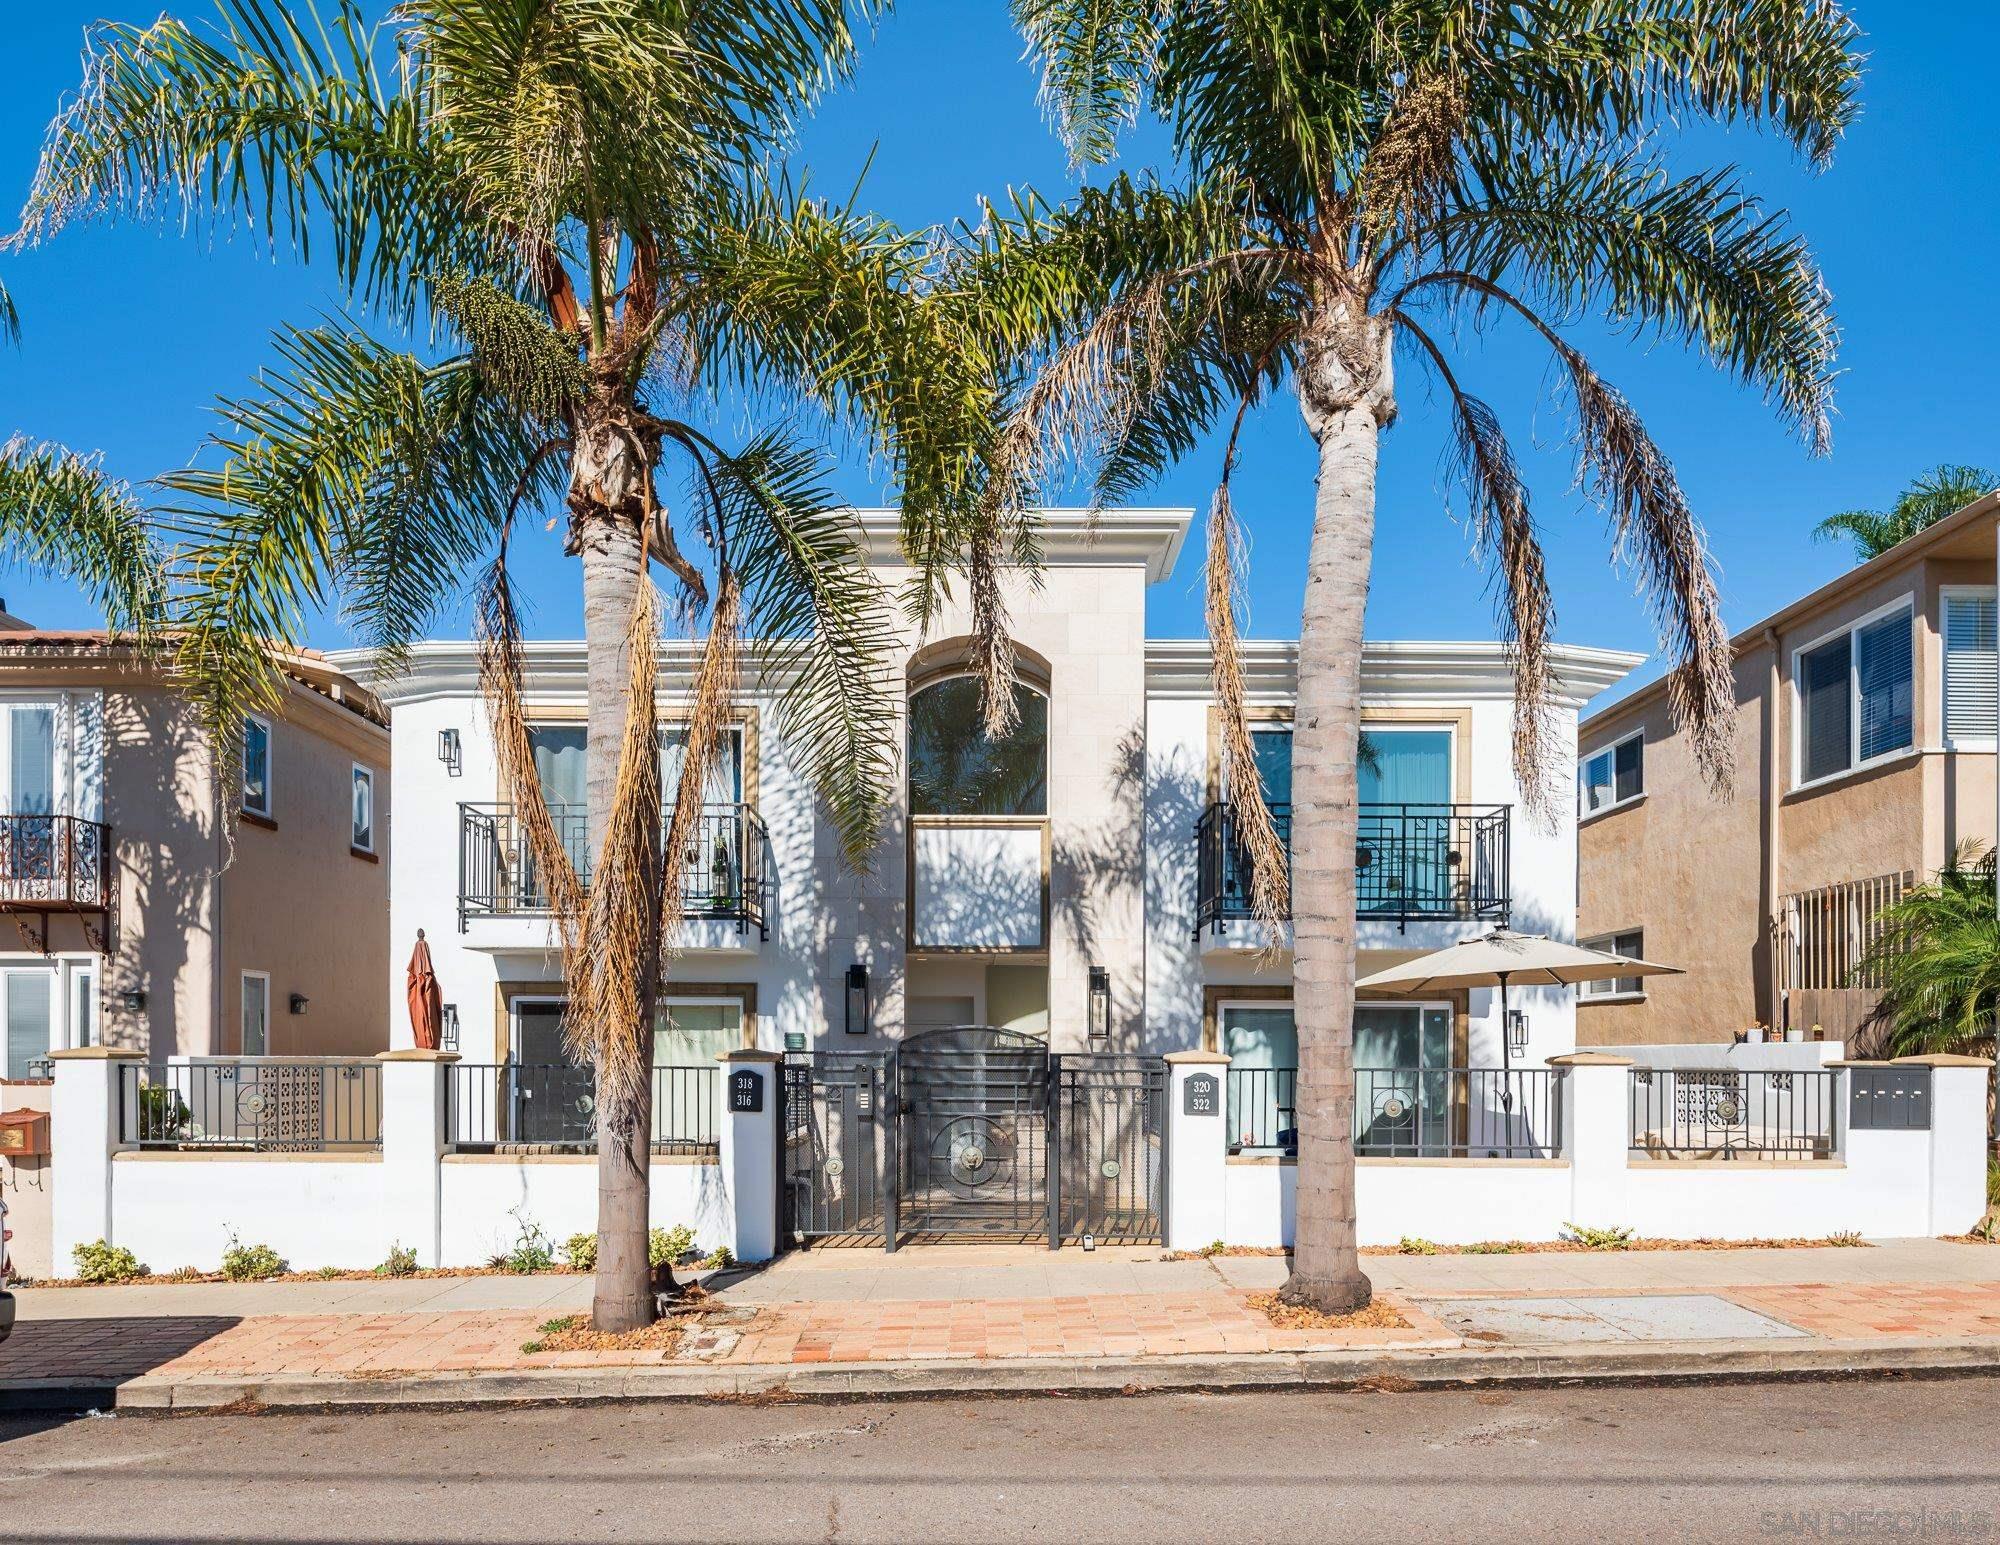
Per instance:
(1672,1317)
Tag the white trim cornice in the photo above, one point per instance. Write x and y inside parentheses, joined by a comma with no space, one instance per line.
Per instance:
(1068,537)
(1391,670)
(1397,669)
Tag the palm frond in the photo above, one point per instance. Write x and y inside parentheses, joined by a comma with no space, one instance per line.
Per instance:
(1503,527)
(359,468)
(823,626)
(61,514)
(278,123)
(1940,491)
(1693,257)
(1094,56)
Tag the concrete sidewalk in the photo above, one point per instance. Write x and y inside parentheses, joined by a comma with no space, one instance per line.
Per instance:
(971,1318)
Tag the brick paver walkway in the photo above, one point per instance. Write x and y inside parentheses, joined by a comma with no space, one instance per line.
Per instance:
(1101,1325)
(1846,1312)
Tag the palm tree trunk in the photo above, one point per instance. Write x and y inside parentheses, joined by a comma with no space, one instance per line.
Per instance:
(1326,1271)
(612,573)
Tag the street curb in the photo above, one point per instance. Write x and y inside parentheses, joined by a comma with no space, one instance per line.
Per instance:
(1372,1369)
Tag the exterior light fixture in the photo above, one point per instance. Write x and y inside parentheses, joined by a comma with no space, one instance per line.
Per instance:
(1100,1004)
(449,753)
(1517,1031)
(135,999)
(299,1002)
(857,999)
(448,1027)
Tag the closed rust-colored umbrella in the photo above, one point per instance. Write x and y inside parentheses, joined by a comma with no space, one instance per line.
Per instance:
(426,1001)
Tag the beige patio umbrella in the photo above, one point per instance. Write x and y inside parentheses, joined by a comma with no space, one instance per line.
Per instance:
(1503,956)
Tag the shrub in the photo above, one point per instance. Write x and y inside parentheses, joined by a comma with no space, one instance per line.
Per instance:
(163,1114)
(581,1251)
(533,1250)
(721,1258)
(1617,1237)
(251,1263)
(1993,1182)
(1410,1246)
(1847,1239)
(1495,1247)
(669,1246)
(101,1262)
(402,1262)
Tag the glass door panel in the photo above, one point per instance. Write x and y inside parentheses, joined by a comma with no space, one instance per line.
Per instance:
(1263,1049)
(29,1004)
(548,1099)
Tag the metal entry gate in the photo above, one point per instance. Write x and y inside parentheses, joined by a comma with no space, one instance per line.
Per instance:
(977,1132)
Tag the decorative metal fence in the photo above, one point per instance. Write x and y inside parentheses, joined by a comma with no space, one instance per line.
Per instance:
(723,868)
(257,1104)
(1411,863)
(552,1107)
(1734,1113)
(1411,1113)
(55,861)
(1108,1128)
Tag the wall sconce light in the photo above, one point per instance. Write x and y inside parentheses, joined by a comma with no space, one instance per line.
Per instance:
(134,999)
(857,1000)
(299,1002)
(448,1028)
(1100,1004)
(448,752)
(1517,1031)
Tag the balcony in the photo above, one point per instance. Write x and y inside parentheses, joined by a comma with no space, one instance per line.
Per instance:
(51,864)
(724,869)
(1412,864)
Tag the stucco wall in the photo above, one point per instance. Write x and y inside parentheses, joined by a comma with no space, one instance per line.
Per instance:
(298,903)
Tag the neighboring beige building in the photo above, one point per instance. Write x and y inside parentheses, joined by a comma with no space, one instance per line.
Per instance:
(1865,735)
(134,914)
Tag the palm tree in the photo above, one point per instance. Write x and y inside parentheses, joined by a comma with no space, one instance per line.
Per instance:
(1930,497)
(1936,955)
(571,196)
(1366,178)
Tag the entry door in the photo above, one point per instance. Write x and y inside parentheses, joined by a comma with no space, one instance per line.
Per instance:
(550,1100)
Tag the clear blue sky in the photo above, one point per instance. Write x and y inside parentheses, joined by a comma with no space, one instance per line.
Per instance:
(131,331)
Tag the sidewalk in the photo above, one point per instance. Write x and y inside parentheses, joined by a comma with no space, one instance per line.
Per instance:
(956,1318)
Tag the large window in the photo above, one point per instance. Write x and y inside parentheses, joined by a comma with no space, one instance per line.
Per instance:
(1405,766)
(1856,696)
(29,1006)
(956,768)
(1971,688)
(724,784)
(257,765)
(1613,775)
(1632,946)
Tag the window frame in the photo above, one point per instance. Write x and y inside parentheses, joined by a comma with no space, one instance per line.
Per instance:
(1021,683)
(264,810)
(1906,604)
(362,773)
(1608,990)
(1610,749)
(242,1018)
(1946,594)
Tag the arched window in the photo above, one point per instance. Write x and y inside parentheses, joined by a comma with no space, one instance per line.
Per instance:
(957,769)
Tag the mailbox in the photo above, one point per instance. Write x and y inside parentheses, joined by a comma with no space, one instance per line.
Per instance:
(24,1134)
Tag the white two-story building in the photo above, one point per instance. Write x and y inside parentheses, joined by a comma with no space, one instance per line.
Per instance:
(1078,886)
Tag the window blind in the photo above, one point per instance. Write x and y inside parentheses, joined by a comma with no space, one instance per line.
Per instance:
(1825,705)
(1882,668)
(1971,690)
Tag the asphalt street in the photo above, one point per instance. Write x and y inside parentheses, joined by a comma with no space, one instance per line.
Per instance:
(1833,1460)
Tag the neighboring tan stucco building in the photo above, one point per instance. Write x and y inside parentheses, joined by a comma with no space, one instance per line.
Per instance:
(138,911)
(1864,739)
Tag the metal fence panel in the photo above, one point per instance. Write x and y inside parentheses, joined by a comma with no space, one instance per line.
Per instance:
(1110,1136)
(257,1104)
(1734,1113)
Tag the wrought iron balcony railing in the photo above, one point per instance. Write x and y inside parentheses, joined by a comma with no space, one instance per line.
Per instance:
(1412,863)
(54,863)
(723,870)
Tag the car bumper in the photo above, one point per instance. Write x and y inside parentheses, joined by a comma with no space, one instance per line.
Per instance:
(6,1314)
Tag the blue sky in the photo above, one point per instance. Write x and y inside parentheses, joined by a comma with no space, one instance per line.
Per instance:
(133,330)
